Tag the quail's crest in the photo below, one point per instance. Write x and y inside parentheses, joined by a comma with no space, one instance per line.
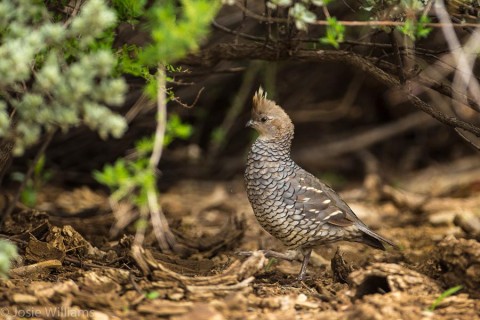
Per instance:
(269,119)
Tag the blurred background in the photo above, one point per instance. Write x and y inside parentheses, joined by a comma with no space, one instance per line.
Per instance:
(385,98)
(342,114)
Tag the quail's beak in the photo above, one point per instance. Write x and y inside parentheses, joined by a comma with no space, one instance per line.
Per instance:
(249,124)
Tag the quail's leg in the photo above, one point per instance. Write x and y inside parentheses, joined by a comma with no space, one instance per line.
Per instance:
(289,255)
(303,270)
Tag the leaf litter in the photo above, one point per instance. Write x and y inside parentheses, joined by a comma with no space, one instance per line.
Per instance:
(70,267)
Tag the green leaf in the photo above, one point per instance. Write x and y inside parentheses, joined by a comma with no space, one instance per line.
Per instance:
(270,263)
(218,135)
(152,295)
(28,197)
(129,10)
(335,33)
(447,293)
(408,29)
(321,3)
(416,29)
(141,224)
(176,129)
(177,30)
(422,30)
(39,166)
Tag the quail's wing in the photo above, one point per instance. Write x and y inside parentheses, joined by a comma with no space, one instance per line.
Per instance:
(317,201)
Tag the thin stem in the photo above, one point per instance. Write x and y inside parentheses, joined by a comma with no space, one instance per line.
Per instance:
(161,117)
(164,236)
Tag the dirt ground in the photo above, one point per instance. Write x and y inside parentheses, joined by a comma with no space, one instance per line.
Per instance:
(70,266)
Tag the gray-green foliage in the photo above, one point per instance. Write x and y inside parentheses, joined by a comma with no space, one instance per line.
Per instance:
(335,33)
(8,252)
(416,28)
(52,73)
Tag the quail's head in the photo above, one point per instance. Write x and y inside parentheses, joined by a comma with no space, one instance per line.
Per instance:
(269,119)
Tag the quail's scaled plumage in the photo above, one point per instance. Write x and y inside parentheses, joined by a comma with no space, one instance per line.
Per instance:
(289,202)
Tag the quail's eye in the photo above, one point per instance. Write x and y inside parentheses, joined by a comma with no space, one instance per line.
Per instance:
(264,119)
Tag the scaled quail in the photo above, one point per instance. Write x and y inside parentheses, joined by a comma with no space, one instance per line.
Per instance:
(289,202)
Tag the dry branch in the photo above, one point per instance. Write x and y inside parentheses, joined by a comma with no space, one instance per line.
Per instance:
(36,267)
(220,52)
(350,23)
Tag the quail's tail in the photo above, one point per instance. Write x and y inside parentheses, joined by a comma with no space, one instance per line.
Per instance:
(375,240)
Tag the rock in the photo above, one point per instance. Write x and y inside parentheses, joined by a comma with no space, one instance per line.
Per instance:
(388,277)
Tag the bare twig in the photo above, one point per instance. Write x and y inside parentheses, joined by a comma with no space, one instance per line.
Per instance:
(254,51)
(427,8)
(143,104)
(467,136)
(177,100)
(74,13)
(36,267)
(398,57)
